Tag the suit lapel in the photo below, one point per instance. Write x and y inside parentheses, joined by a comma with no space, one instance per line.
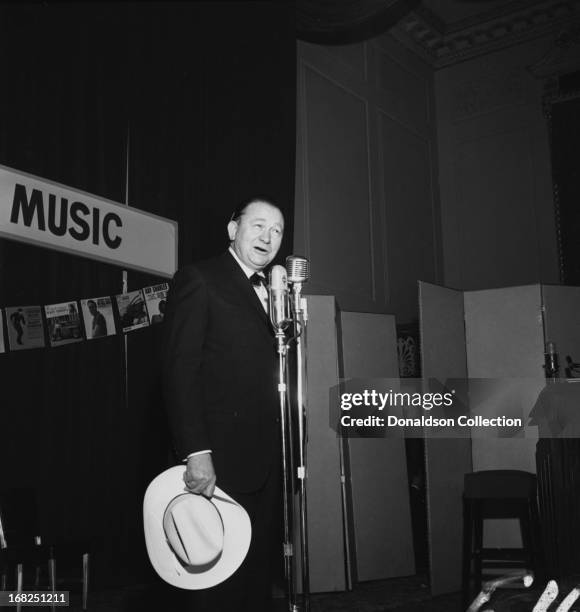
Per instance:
(245,289)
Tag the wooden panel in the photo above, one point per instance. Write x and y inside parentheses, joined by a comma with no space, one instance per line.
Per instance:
(325,517)
(504,332)
(352,56)
(405,94)
(446,461)
(498,230)
(378,468)
(408,200)
(338,211)
(340,203)
(491,104)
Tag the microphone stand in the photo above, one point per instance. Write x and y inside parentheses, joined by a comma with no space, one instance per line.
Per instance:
(282,349)
(280,318)
(283,311)
(299,319)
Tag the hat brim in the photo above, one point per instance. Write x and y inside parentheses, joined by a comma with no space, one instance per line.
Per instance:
(237,534)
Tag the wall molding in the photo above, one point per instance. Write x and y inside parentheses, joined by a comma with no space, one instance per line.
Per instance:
(423,33)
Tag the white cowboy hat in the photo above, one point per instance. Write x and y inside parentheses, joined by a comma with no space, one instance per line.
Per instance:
(193,542)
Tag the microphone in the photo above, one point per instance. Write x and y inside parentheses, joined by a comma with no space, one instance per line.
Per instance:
(279,315)
(298,269)
(551,365)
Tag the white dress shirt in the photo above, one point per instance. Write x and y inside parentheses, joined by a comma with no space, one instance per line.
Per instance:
(260,290)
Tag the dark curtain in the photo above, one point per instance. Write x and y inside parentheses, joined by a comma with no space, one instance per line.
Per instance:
(565,142)
(565,137)
(203,95)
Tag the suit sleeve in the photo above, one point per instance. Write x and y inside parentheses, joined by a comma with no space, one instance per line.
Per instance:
(185,327)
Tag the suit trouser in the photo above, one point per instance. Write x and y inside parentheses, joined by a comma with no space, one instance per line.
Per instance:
(249,588)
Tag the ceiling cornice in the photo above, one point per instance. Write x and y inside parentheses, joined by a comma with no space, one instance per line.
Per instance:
(424,33)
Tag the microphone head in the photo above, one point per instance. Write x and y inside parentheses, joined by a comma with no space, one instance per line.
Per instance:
(278,278)
(298,269)
(278,307)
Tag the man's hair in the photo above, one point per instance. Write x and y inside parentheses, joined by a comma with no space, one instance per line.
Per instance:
(92,302)
(241,208)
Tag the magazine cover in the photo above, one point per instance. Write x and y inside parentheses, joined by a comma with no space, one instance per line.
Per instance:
(98,317)
(25,327)
(64,323)
(155,298)
(2,344)
(132,312)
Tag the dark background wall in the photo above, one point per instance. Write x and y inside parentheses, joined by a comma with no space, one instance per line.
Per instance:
(199,98)
(497,207)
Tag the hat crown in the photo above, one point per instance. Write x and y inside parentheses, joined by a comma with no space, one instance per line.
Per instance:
(184,554)
(194,529)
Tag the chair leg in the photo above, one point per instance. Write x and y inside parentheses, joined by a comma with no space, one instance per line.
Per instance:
(19,580)
(3,581)
(52,576)
(527,540)
(85,579)
(536,541)
(52,573)
(467,552)
(478,546)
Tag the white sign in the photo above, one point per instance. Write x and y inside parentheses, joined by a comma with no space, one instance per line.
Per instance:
(47,214)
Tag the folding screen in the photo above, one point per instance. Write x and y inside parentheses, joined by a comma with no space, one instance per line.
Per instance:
(495,333)
(446,460)
(381,517)
(325,515)
(505,339)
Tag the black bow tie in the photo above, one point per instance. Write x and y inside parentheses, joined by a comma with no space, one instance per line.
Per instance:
(257,280)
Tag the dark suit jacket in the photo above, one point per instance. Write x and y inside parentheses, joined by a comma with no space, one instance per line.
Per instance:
(220,372)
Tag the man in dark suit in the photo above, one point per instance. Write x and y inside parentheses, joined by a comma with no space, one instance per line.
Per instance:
(220,367)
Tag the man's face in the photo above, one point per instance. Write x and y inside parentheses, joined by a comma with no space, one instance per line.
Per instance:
(257,235)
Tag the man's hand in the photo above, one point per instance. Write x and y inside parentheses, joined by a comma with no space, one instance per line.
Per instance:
(199,475)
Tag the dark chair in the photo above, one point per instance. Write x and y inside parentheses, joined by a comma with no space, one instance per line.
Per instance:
(19,550)
(22,547)
(14,560)
(498,494)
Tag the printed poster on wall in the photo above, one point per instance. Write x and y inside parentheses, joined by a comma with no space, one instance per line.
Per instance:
(25,327)
(98,317)
(64,323)
(155,298)
(132,311)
